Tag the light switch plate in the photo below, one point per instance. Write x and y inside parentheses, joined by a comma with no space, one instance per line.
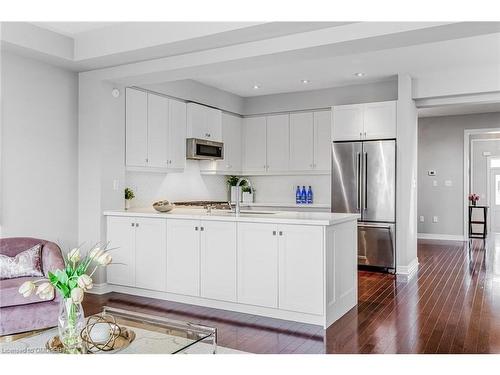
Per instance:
(434,183)
(422,219)
(448,183)
(116,185)
(435,219)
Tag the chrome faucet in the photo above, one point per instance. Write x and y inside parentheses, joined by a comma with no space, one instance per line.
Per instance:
(238,193)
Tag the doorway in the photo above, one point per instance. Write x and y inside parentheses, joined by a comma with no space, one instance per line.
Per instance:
(494,194)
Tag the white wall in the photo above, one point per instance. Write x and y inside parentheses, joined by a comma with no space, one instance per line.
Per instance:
(39,150)
(198,92)
(440,148)
(363,93)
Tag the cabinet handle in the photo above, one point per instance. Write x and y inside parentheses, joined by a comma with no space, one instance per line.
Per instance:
(280,233)
(136,224)
(195,228)
(274,233)
(202,228)
(133,224)
(147,160)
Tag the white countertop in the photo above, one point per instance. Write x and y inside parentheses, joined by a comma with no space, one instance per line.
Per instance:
(278,217)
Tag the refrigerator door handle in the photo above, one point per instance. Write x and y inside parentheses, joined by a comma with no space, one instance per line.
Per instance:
(366,181)
(358,180)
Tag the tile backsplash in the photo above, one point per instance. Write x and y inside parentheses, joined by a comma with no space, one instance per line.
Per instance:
(191,185)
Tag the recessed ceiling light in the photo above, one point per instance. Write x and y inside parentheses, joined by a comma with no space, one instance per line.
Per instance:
(359,74)
(305,81)
(256,87)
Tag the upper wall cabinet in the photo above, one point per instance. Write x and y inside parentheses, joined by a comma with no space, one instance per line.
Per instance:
(231,136)
(204,122)
(310,141)
(278,143)
(155,131)
(254,144)
(364,121)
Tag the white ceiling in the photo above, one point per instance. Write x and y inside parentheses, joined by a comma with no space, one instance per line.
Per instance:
(478,51)
(71,29)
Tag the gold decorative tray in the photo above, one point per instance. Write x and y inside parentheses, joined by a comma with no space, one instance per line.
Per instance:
(122,341)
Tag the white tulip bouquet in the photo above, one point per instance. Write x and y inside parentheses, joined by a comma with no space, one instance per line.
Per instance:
(72,282)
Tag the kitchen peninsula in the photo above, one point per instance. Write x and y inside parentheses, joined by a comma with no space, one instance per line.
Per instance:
(299,266)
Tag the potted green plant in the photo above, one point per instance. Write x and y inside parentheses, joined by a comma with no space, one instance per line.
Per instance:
(231,182)
(247,194)
(129,195)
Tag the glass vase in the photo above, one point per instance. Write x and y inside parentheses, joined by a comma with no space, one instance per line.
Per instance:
(71,322)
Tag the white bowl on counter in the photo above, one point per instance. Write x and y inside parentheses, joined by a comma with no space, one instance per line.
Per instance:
(163,206)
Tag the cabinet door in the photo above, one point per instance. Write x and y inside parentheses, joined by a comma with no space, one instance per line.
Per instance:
(218,260)
(380,120)
(121,237)
(347,122)
(183,257)
(231,136)
(151,254)
(177,134)
(258,264)
(136,128)
(196,121)
(301,141)
(254,144)
(278,143)
(301,268)
(322,140)
(158,139)
(214,124)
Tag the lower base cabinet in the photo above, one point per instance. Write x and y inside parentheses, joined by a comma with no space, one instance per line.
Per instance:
(139,252)
(183,257)
(218,260)
(258,264)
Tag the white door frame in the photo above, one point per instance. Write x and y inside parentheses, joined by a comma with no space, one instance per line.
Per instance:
(490,195)
(466,165)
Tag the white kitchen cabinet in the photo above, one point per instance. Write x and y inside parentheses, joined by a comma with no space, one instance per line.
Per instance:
(218,260)
(155,131)
(176,134)
(380,120)
(204,122)
(301,141)
(140,251)
(364,121)
(322,140)
(136,125)
(301,268)
(183,257)
(150,254)
(254,144)
(258,264)
(278,143)
(347,122)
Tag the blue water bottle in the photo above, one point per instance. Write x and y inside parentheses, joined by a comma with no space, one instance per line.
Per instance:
(297,195)
(309,196)
(303,195)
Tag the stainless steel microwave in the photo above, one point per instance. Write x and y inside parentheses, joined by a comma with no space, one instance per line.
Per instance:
(201,149)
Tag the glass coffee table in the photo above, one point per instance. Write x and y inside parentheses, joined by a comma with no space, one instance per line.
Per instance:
(158,335)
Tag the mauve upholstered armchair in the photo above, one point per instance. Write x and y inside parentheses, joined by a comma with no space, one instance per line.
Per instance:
(17,313)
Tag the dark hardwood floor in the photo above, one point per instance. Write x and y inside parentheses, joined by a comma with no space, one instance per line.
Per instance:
(452,306)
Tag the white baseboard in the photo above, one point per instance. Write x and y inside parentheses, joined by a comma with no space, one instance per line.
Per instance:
(442,237)
(406,273)
(100,289)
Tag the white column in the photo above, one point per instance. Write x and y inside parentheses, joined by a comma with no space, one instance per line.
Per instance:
(406,191)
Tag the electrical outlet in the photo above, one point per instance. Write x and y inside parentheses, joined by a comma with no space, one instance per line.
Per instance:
(435,219)
(116,185)
(448,183)
(422,219)
(434,183)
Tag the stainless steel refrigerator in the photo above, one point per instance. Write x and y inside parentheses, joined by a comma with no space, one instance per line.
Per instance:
(364,182)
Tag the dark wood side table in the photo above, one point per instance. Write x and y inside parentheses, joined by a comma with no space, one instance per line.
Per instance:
(478,216)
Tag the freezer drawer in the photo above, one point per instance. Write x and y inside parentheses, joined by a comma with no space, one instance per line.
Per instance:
(376,244)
